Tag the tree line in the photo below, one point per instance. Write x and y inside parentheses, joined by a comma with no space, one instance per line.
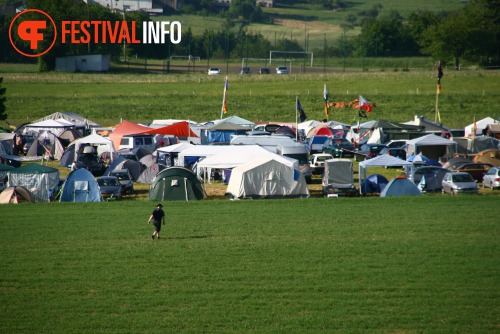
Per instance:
(470,34)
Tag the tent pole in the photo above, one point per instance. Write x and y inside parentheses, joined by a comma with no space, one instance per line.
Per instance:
(186,189)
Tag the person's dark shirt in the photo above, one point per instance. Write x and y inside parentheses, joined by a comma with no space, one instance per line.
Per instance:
(158,214)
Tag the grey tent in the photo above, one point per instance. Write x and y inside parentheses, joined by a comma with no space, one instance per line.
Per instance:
(39,180)
(400,187)
(134,168)
(47,145)
(148,175)
(176,183)
(80,186)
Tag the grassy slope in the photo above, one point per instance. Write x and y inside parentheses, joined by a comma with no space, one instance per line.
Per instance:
(294,19)
(320,265)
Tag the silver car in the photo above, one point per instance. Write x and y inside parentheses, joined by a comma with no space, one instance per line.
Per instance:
(459,183)
(492,178)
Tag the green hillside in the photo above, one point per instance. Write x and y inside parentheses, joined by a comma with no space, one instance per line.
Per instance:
(299,20)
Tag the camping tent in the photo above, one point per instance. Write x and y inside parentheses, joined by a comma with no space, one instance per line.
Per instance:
(491,156)
(400,187)
(148,175)
(176,183)
(15,194)
(167,155)
(103,144)
(46,144)
(479,125)
(235,157)
(134,167)
(384,160)
(39,180)
(55,126)
(80,186)
(432,146)
(374,183)
(265,177)
(180,129)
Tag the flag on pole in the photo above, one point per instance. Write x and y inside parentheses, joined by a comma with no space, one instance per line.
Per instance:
(302,113)
(224,99)
(325,97)
(364,104)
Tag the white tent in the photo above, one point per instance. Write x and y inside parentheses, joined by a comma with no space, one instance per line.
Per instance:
(384,160)
(308,126)
(207,151)
(265,177)
(480,126)
(245,154)
(432,146)
(55,126)
(103,144)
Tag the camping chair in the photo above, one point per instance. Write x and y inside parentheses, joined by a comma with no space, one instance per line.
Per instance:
(81,188)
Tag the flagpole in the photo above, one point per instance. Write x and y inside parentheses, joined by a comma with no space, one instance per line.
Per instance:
(223,99)
(296,118)
(437,116)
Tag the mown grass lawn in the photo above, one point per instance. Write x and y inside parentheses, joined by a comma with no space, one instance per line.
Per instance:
(427,264)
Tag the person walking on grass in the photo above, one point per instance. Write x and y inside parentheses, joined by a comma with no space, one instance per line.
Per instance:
(158,217)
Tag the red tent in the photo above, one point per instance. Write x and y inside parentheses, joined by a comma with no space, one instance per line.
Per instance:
(179,129)
(126,128)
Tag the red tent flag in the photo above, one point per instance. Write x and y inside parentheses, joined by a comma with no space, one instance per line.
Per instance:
(364,104)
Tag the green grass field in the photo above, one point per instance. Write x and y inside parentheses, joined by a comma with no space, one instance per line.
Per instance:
(107,98)
(377,265)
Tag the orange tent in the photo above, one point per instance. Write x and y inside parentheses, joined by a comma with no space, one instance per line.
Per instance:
(126,128)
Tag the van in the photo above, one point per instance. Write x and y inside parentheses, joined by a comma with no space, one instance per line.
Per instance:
(300,153)
(144,141)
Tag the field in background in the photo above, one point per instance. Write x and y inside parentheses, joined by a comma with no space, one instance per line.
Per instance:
(108,98)
(406,265)
(296,20)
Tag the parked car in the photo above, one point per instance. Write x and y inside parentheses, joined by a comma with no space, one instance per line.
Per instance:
(459,183)
(125,180)
(395,152)
(492,178)
(477,170)
(246,70)
(90,161)
(281,70)
(338,148)
(264,70)
(371,150)
(110,187)
(317,162)
(397,143)
(213,71)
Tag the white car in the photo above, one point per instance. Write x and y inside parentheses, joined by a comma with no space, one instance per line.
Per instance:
(282,70)
(213,71)
(317,162)
(459,183)
(492,178)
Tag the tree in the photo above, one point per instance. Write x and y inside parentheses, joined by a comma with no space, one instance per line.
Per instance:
(3,115)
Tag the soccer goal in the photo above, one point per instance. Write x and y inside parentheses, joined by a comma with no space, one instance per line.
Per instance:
(188,58)
(280,56)
(261,62)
